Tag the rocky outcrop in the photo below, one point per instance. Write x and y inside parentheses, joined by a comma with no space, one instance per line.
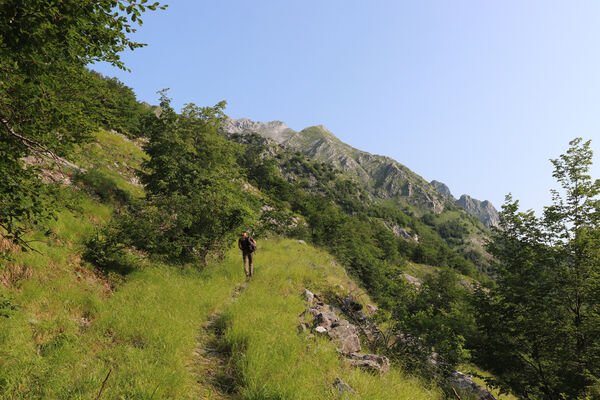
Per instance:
(275,130)
(402,232)
(340,331)
(412,280)
(344,334)
(484,210)
(443,189)
(342,387)
(465,382)
(369,362)
(53,169)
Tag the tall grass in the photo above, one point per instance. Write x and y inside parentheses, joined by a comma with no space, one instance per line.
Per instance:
(271,359)
(64,327)
(144,334)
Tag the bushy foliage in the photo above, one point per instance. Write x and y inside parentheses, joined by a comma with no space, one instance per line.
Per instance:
(195,200)
(540,326)
(43,87)
(439,315)
(113,105)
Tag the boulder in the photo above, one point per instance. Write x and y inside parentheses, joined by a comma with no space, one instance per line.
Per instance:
(308,296)
(345,336)
(465,382)
(325,319)
(370,362)
(342,386)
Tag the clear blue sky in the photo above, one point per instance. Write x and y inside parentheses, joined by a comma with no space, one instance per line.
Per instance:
(477,94)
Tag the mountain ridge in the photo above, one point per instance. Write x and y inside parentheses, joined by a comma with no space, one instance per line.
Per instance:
(382,176)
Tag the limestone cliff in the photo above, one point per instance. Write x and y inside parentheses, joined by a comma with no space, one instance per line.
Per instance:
(484,210)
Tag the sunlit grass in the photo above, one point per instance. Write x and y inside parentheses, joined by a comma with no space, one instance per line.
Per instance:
(144,333)
(271,359)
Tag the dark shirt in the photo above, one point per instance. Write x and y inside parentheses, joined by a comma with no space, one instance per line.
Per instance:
(244,244)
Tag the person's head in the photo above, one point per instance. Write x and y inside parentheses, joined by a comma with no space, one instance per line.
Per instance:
(244,234)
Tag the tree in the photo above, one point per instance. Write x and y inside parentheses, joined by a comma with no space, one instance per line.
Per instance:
(44,47)
(196,202)
(541,325)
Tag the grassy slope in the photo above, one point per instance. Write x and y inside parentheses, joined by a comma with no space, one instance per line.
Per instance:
(272,360)
(64,327)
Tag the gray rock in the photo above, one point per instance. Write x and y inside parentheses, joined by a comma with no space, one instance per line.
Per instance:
(443,189)
(412,280)
(370,362)
(484,210)
(404,234)
(325,319)
(465,382)
(345,336)
(308,296)
(320,329)
(342,386)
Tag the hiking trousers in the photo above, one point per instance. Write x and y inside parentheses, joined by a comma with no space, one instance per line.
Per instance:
(248,267)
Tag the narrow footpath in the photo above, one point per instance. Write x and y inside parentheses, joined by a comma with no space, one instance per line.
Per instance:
(215,381)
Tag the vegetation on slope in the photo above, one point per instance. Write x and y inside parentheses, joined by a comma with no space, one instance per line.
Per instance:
(131,308)
(270,358)
(66,325)
(48,100)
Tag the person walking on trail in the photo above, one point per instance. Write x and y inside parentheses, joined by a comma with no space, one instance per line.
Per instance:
(247,245)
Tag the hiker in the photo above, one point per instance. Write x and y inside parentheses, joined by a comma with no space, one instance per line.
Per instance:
(247,245)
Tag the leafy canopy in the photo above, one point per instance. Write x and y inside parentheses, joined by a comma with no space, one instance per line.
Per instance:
(541,325)
(44,47)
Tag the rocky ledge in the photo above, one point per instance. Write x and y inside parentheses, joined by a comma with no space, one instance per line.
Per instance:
(344,334)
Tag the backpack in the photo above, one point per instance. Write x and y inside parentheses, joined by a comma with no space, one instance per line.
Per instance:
(251,244)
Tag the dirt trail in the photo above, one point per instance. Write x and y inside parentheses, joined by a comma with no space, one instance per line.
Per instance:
(215,381)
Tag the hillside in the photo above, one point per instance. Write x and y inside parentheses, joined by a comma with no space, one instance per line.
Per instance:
(68,327)
(120,277)
(381,176)
(364,183)
(157,330)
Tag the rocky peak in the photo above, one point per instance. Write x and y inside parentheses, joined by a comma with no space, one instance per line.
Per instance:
(381,176)
(443,189)
(272,130)
(484,210)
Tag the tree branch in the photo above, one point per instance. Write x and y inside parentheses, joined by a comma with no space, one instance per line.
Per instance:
(103,383)
(22,241)
(31,144)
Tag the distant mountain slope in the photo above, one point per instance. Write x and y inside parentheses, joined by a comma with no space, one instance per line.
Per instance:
(443,189)
(483,210)
(382,176)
